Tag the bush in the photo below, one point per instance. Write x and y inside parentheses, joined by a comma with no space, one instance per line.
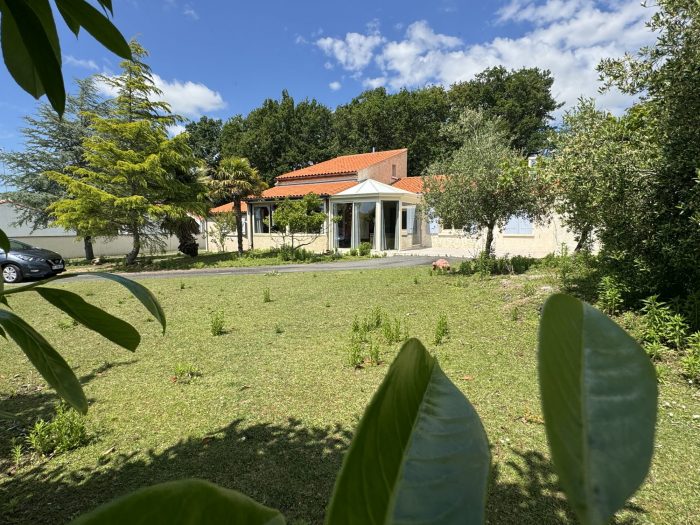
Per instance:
(610,295)
(353,252)
(286,253)
(364,249)
(580,275)
(661,326)
(217,323)
(66,431)
(355,358)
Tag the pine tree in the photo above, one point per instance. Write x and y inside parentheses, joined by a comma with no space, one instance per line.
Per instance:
(51,143)
(135,177)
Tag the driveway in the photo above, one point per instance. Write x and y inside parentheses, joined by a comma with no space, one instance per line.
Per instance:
(397,261)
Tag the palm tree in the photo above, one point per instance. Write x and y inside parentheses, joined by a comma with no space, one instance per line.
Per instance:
(235,179)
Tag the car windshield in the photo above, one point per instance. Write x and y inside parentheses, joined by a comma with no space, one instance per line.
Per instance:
(17,245)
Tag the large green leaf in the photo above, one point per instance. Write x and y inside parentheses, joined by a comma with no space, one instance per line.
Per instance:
(599,401)
(139,291)
(97,24)
(31,51)
(45,359)
(420,454)
(110,327)
(183,502)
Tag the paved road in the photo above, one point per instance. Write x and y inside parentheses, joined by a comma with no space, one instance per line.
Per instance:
(397,261)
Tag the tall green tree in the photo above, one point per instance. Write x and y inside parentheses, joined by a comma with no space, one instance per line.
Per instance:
(281,136)
(667,77)
(204,138)
(133,178)
(51,143)
(234,180)
(521,99)
(382,121)
(484,182)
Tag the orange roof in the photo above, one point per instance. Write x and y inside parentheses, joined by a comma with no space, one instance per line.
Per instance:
(229,207)
(412,184)
(299,190)
(344,164)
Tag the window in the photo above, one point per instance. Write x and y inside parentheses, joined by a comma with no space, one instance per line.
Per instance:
(404,218)
(393,171)
(261,215)
(518,226)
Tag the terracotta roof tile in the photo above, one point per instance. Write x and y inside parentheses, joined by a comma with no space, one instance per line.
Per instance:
(299,190)
(229,207)
(344,164)
(412,184)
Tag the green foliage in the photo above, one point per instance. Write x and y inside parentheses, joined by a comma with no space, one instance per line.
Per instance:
(279,329)
(185,501)
(374,352)
(364,249)
(67,324)
(486,265)
(217,323)
(223,225)
(484,182)
(691,360)
(300,221)
(579,274)
(610,295)
(266,295)
(204,138)
(521,99)
(186,372)
(442,331)
(661,326)
(16,452)
(65,431)
(392,330)
(355,354)
(600,431)
(353,252)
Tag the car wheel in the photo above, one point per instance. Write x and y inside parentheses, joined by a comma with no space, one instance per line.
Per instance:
(11,274)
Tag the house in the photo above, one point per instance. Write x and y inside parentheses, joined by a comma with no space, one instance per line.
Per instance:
(373,201)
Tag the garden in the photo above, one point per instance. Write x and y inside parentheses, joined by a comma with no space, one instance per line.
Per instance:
(260,380)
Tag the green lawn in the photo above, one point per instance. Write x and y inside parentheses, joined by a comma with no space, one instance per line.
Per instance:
(276,403)
(178,261)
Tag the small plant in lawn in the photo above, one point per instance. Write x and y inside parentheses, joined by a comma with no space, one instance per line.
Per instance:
(266,296)
(216,323)
(515,313)
(656,350)
(528,289)
(610,295)
(328,304)
(691,360)
(186,373)
(182,285)
(364,249)
(66,431)
(415,280)
(16,453)
(355,358)
(391,330)
(662,373)
(67,323)
(660,326)
(441,330)
(376,317)
(374,352)
(279,329)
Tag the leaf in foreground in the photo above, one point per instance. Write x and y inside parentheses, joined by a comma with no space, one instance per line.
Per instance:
(599,401)
(183,502)
(420,454)
(52,367)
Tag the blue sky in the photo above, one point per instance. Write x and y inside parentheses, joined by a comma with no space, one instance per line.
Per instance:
(222,58)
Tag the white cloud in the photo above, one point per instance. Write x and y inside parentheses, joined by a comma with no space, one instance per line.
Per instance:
(189,99)
(79,62)
(335,85)
(188,10)
(568,37)
(176,129)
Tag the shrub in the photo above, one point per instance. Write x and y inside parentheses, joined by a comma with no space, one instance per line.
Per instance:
(691,361)
(353,252)
(266,296)
(520,264)
(186,373)
(661,325)
(216,323)
(374,352)
(364,249)
(441,329)
(610,292)
(66,431)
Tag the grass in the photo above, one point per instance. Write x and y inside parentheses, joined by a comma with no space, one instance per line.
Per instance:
(271,415)
(178,261)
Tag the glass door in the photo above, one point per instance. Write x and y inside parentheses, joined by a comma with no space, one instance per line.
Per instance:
(343,228)
(365,214)
(390,210)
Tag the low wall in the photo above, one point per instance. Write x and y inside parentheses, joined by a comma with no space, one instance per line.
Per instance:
(264,241)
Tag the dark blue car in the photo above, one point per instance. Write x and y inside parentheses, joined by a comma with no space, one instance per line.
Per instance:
(24,261)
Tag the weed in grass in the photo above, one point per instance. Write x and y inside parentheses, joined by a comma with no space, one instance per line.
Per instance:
(610,292)
(376,317)
(662,373)
(266,296)
(182,285)
(186,373)
(430,272)
(415,280)
(16,453)
(442,331)
(89,294)
(355,358)
(528,289)
(67,323)
(691,360)
(328,304)
(391,330)
(374,353)
(279,329)
(656,350)
(66,431)
(216,323)
(515,313)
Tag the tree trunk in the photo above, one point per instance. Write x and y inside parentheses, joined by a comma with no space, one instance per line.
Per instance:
(239,223)
(583,239)
(87,245)
(489,238)
(136,248)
